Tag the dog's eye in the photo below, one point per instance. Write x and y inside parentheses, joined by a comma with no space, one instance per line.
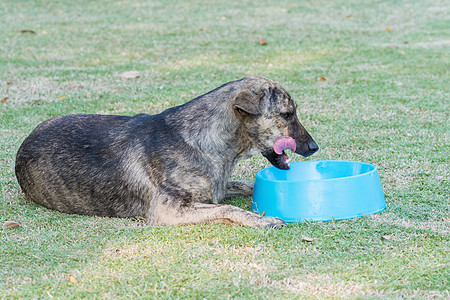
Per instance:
(286,116)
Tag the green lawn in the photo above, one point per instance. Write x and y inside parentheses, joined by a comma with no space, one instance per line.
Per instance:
(371,79)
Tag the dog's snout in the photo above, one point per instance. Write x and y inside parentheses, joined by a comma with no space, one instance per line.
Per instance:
(313,147)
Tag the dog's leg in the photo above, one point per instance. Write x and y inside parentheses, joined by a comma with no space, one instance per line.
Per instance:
(237,188)
(174,213)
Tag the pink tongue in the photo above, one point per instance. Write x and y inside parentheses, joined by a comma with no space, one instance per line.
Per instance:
(283,143)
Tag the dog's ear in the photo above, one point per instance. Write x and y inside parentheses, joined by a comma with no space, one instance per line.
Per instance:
(247,102)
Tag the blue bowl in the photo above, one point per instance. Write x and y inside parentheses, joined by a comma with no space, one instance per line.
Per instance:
(318,191)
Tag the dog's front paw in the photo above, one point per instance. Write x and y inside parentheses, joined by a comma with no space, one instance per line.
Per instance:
(271,222)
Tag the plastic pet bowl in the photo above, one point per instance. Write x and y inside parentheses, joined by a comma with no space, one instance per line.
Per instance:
(318,191)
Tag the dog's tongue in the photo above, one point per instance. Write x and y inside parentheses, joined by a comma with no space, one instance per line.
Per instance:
(284,143)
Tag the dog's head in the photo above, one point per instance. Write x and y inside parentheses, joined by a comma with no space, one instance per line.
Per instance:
(268,112)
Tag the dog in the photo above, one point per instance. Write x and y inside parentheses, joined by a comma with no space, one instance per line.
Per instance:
(171,168)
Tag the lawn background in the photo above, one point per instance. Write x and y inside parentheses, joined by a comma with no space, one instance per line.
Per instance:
(371,79)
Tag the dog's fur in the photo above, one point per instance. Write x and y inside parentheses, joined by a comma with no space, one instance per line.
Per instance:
(172,168)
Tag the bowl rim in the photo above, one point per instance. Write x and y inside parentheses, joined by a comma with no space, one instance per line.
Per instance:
(375,169)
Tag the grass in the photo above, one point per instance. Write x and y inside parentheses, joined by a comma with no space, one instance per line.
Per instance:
(384,100)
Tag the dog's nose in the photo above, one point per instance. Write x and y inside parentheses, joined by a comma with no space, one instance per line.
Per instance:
(313,147)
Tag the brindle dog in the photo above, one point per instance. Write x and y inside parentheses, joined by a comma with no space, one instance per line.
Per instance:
(172,168)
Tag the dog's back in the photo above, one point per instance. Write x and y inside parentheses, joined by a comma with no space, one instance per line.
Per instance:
(68,157)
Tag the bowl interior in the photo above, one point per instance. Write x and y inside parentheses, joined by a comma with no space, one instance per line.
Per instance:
(316,170)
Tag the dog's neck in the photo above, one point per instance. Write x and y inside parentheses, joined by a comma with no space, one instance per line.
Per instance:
(216,130)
